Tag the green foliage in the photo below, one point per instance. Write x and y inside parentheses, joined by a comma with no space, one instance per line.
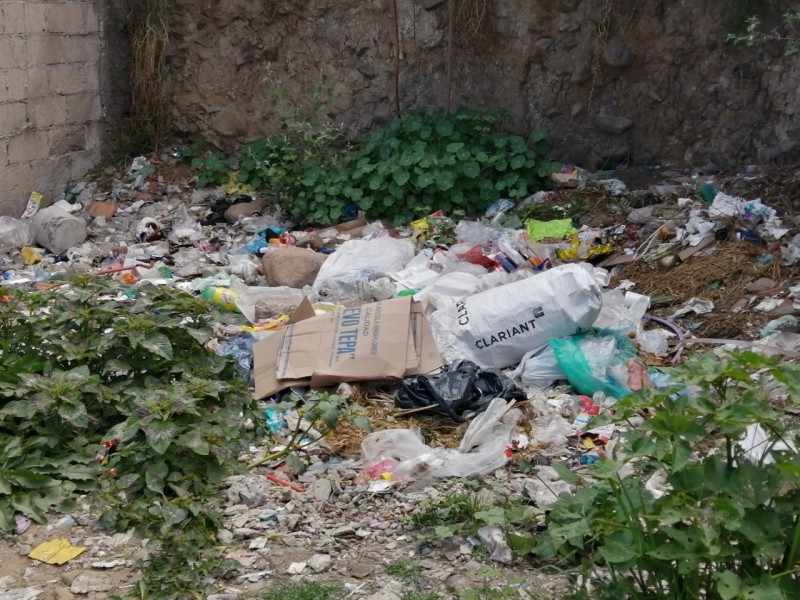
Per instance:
(404,569)
(573,207)
(786,33)
(727,528)
(458,163)
(303,590)
(93,362)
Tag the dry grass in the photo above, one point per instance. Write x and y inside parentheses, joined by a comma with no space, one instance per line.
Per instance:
(721,276)
(475,23)
(149,38)
(379,408)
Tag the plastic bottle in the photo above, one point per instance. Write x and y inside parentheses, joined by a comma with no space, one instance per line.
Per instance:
(222,296)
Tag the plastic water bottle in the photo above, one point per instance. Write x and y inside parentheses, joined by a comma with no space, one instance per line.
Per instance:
(222,296)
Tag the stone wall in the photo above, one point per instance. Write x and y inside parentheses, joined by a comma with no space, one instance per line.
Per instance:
(62,88)
(646,82)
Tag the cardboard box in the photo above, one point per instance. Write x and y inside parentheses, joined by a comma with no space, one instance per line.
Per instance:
(381,340)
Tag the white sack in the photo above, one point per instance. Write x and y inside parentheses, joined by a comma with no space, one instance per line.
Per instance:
(496,328)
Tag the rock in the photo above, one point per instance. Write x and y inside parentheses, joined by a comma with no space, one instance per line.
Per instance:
(784,308)
(244,209)
(57,230)
(224,536)
(458,582)
(319,563)
(86,583)
(618,54)
(495,541)
(296,568)
(321,490)
(612,124)
(258,544)
(762,285)
(541,47)
(290,266)
(60,593)
(28,593)
(69,576)
(361,570)
(244,532)
(228,122)
(207,196)
(343,531)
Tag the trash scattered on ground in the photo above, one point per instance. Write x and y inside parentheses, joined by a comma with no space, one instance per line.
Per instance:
(56,552)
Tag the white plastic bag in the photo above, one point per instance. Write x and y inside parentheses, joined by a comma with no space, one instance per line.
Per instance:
(384,255)
(539,368)
(497,327)
(482,450)
(14,234)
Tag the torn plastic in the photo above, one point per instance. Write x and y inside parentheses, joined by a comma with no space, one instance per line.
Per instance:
(758,446)
(261,303)
(482,450)
(459,389)
(596,361)
(622,310)
(496,328)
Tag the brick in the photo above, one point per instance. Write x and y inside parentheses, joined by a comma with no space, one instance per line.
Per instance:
(66,18)
(47,112)
(28,146)
(67,79)
(12,117)
(35,21)
(82,108)
(64,140)
(16,82)
(12,53)
(38,82)
(12,17)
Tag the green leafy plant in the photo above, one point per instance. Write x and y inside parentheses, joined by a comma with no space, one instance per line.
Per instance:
(726,526)
(115,392)
(458,163)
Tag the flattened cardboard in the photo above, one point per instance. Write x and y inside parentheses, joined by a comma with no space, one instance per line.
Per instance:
(381,340)
(102,209)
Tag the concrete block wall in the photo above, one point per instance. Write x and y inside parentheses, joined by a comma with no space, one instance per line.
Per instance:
(61,94)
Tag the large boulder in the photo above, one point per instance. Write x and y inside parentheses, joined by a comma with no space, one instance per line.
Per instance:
(290,266)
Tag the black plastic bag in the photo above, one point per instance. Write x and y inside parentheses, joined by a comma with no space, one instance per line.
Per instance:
(457,389)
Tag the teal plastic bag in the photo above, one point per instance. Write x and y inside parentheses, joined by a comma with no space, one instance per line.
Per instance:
(590,360)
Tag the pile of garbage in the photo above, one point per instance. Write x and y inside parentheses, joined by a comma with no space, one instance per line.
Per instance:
(466,317)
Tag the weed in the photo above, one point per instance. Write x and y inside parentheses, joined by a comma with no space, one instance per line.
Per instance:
(726,527)
(419,596)
(303,590)
(120,397)
(404,569)
(454,163)
(787,34)
(573,208)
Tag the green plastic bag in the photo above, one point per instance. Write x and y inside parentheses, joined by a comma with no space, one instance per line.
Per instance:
(588,359)
(558,229)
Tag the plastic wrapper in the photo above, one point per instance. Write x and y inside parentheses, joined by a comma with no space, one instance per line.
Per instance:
(459,388)
(482,450)
(496,328)
(475,232)
(653,341)
(184,227)
(240,349)
(596,362)
(384,256)
(622,310)
(14,234)
(551,431)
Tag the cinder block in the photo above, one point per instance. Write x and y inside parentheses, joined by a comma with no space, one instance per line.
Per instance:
(12,53)
(12,118)
(90,18)
(12,17)
(16,82)
(67,79)
(66,18)
(35,17)
(48,112)
(63,140)
(28,146)
(38,82)
(82,108)
(46,49)
(92,77)
(3,153)
(95,134)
